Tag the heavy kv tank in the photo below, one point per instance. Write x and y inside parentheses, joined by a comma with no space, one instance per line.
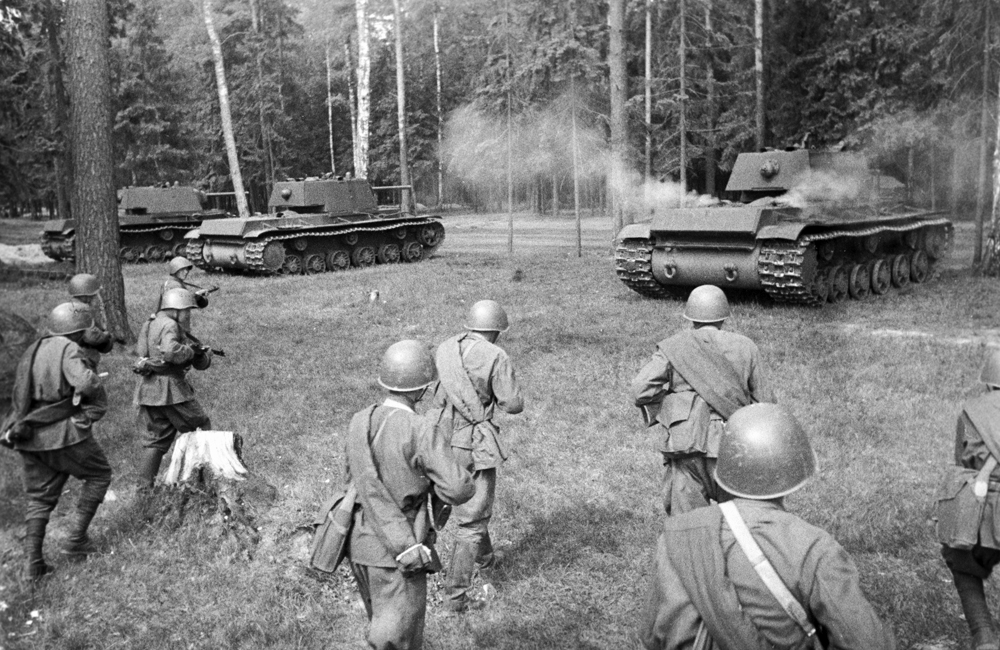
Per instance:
(315,225)
(810,227)
(152,222)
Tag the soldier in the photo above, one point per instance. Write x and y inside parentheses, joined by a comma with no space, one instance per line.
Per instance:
(800,589)
(180,268)
(398,461)
(57,397)
(971,547)
(476,376)
(163,393)
(85,290)
(695,380)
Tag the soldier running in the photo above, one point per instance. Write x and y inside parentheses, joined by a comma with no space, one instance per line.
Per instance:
(476,376)
(163,394)
(695,380)
(85,290)
(179,269)
(969,505)
(746,574)
(56,400)
(398,461)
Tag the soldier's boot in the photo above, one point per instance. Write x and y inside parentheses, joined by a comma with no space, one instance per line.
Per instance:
(78,543)
(458,587)
(149,468)
(34,538)
(977,612)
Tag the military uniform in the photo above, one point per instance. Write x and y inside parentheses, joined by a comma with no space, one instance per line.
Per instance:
(697,378)
(165,396)
(704,577)
(96,337)
(476,376)
(396,459)
(54,373)
(173,282)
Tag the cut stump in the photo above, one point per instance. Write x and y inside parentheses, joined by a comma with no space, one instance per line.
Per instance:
(219,452)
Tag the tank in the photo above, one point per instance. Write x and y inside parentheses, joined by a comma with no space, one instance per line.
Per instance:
(315,225)
(152,222)
(809,227)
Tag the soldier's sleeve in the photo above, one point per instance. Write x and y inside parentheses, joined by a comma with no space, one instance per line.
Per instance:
(970,450)
(80,373)
(439,398)
(759,388)
(669,619)
(452,482)
(506,390)
(174,350)
(652,381)
(840,606)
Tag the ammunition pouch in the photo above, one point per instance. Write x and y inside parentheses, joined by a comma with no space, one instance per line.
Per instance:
(333,531)
(959,510)
(202,359)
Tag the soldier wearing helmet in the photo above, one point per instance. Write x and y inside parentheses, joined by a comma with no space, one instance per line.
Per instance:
(57,398)
(476,377)
(85,289)
(179,268)
(163,394)
(398,461)
(968,504)
(694,381)
(799,590)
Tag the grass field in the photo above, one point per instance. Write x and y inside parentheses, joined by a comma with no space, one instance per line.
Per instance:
(876,383)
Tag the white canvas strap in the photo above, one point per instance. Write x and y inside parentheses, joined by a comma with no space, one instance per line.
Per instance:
(766,570)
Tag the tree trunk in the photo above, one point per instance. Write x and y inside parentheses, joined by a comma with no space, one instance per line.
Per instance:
(713,109)
(984,128)
(992,256)
(649,99)
(265,132)
(224,113)
(440,114)
(94,204)
(510,132)
(404,167)
(364,92)
(682,57)
(616,68)
(576,175)
(329,106)
(758,32)
(62,160)
(351,100)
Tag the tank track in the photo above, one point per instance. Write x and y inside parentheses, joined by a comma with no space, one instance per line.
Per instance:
(782,265)
(634,266)
(255,249)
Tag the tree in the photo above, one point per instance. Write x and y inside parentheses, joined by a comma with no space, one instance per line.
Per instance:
(404,168)
(364,92)
(94,203)
(619,93)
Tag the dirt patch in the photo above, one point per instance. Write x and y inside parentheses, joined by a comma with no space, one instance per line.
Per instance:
(23,255)
(989,338)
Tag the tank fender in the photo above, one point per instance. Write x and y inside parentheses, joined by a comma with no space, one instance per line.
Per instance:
(789,231)
(634,231)
(62,226)
(193,234)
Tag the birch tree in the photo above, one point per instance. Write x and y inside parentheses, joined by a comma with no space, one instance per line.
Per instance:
(363,93)
(619,135)
(437,101)
(758,66)
(682,99)
(404,167)
(224,112)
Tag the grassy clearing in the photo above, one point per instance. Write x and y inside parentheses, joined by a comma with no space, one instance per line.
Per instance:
(576,502)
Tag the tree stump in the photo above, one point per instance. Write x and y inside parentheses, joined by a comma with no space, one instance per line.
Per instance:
(217,451)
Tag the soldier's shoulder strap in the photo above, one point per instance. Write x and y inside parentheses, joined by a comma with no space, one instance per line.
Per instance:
(766,571)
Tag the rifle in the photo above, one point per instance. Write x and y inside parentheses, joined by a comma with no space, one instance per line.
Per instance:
(198,345)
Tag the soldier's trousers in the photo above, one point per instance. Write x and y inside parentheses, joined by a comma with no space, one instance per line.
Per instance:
(46,473)
(163,423)
(687,483)
(396,606)
(472,537)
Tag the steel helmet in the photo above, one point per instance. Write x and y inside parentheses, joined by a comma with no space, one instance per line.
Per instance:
(487,316)
(84,284)
(69,318)
(991,369)
(707,304)
(179,264)
(178,299)
(764,454)
(406,365)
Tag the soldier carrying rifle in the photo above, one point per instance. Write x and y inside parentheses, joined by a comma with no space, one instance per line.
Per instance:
(179,269)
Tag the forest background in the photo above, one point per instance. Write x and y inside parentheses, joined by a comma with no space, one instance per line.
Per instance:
(913,83)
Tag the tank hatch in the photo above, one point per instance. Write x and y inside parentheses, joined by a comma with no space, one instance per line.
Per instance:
(156,200)
(331,196)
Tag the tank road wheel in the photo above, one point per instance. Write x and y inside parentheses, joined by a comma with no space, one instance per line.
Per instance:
(920,266)
(166,235)
(351,238)
(935,243)
(900,265)
(870,243)
(338,260)
(363,256)
(399,233)
(300,244)
(292,265)
(821,286)
(431,234)
(859,282)
(273,256)
(388,253)
(826,249)
(913,239)
(155,253)
(179,249)
(129,254)
(838,284)
(412,251)
(315,264)
(881,276)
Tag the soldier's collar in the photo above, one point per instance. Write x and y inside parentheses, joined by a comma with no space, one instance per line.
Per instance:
(391,403)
